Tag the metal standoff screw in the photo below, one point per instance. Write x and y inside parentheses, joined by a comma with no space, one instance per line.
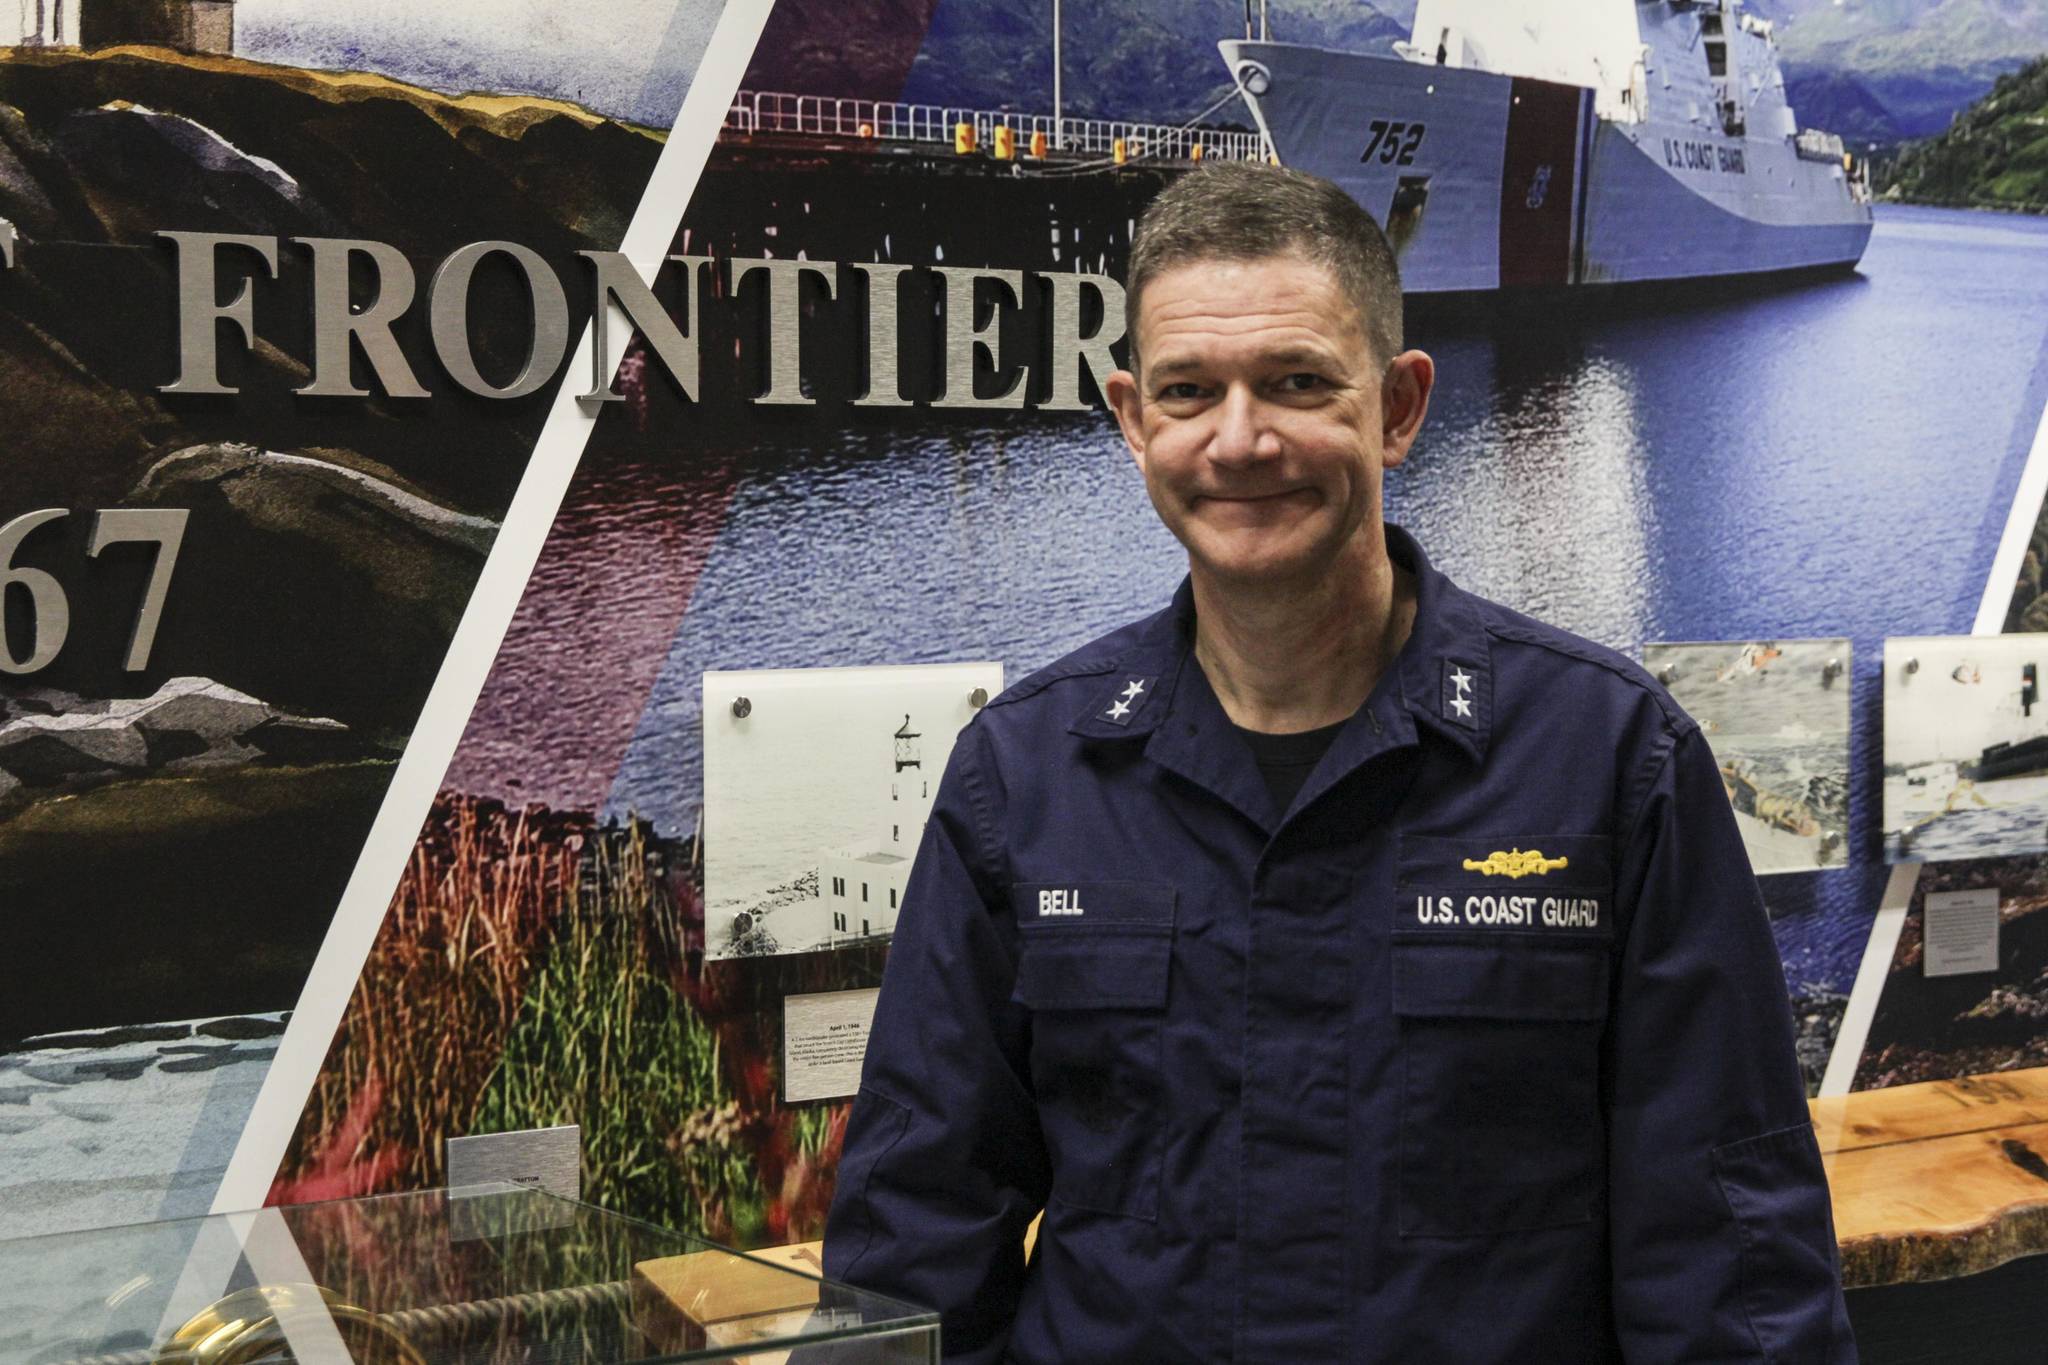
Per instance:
(1829,842)
(741,708)
(1829,671)
(1912,665)
(978,698)
(1668,674)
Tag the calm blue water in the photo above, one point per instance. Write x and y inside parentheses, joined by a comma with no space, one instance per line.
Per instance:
(1838,460)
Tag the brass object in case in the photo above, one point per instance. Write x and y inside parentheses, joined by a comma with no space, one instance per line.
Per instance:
(249,1326)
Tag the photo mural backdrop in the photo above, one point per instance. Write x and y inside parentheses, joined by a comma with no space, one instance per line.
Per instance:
(181,807)
(313,891)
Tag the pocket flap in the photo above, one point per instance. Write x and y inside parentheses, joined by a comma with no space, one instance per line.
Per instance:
(1519,980)
(1106,966)
(1777,1188)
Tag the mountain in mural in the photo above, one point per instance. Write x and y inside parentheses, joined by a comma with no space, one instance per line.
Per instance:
(1151,62)
(1886,71)
(1879,71)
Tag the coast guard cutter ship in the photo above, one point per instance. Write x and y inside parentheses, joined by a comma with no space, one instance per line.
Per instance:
(1518,144)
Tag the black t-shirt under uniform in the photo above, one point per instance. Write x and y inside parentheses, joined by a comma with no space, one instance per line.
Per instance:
(1285,761)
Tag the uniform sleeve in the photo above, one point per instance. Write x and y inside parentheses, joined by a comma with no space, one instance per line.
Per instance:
(1723,1244)
(944,1165)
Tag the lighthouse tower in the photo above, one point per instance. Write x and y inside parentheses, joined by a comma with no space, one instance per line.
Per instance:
(861,888)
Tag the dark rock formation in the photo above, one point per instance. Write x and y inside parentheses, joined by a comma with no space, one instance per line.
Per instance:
(292,556)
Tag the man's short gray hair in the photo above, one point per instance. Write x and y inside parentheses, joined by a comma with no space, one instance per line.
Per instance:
(1246,211)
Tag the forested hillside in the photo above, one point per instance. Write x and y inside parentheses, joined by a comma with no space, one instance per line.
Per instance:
(1994,156)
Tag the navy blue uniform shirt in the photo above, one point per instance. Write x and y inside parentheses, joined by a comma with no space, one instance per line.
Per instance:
(1479,1051)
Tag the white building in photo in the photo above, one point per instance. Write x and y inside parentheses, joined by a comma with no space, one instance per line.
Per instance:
(39,23)
(206,26)
(861,887)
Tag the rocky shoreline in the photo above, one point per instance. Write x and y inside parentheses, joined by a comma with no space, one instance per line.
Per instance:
(54,742)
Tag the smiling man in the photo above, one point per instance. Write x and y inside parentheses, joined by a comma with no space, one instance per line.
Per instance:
(1350,968)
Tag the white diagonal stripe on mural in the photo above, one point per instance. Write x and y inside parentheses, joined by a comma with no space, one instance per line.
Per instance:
(261,1244)
(1876,965)
(482,630)
(1883,943)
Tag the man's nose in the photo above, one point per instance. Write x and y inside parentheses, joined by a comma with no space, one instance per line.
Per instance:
(1243,433)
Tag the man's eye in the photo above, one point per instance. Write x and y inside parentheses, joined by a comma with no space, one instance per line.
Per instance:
(1302,382)
(1183,392)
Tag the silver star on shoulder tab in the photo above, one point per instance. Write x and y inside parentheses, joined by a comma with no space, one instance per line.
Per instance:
(1121,706)
(1458,702)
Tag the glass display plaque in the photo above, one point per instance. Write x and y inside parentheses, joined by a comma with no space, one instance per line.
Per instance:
(485,1274)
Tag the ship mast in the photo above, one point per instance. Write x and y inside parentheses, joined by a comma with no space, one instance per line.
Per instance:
(1059,140)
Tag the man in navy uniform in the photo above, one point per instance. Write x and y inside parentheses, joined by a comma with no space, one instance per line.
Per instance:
(1351,968)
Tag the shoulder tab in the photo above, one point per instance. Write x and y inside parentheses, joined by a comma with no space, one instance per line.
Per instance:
(1118,649)
(1072,666)
(1125,708)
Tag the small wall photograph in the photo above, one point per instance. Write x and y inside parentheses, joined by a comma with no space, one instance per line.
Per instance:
(1965,747)
(817,784)
(1776,713)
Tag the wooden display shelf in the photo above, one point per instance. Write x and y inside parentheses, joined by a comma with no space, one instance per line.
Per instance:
(1939,1179)
(1930,1182)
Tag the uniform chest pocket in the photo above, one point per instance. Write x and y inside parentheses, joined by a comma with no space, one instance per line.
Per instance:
(1097,986)
(1500,1124)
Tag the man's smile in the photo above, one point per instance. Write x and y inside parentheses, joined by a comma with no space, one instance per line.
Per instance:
(1257,506)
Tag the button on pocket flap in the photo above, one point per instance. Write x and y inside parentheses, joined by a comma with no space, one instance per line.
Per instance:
(1111,966)
(1519,980)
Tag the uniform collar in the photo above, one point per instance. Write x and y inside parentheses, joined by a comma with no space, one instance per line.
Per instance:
(1446,661)
(1448,658)
(1154,664)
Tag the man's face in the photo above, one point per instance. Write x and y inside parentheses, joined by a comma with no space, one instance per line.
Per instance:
(1259,418)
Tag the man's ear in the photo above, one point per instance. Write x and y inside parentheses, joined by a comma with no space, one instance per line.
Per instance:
(1127,401)
(1404,402)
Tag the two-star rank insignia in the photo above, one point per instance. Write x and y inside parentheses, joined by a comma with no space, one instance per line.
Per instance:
(1460,694)
(1127,700)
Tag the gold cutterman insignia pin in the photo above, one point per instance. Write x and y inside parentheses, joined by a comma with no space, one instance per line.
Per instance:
(1515,863)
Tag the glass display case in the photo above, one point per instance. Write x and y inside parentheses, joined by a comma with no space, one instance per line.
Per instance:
(490,1274)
